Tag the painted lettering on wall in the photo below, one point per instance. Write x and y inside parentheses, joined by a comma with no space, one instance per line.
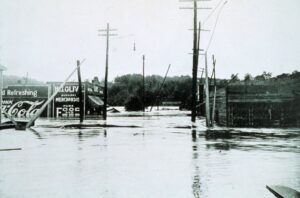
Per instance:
(22,109)
(24,101)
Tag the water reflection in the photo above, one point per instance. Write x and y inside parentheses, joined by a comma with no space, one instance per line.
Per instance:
(196,184)
(36,133)
(146,162)
(104,133)
(91,133)
(224,145)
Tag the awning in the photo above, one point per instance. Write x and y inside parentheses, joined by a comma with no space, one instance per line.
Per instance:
(95,101)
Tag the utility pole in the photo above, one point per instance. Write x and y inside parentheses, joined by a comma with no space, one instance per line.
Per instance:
(207,107)
(107,35)
(143,83)
(215,91)
(195,65)
(80,92)
(196,49)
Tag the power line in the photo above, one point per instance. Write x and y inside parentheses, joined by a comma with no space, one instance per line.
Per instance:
(214,28)
(212,12)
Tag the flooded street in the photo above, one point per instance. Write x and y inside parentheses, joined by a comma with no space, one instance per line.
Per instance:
(158,158)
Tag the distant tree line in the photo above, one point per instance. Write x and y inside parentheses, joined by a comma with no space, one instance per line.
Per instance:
(266,76)
(17,80)
(128,89)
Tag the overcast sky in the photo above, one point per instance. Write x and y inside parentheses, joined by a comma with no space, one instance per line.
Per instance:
(46,37)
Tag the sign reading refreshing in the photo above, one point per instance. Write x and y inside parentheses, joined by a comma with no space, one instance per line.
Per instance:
(24,101)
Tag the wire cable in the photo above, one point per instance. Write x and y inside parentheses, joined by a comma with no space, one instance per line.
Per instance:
(214,28)
(212,12)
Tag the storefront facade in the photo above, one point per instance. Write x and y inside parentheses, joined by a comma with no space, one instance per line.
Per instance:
(24,101)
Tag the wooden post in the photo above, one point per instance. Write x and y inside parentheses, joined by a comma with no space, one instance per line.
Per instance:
(215,92)
(195,65)
(1,87)
(207,109)
(201,95)
(80,92)
(106,73)
(143,83)
(227,108)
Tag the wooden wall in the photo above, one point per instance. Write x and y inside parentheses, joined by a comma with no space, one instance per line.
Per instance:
(268,104)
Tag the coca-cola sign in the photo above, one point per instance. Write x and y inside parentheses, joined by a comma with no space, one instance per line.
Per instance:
(24,101)
(22,109)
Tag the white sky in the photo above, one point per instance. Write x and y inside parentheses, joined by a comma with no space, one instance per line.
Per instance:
(46,37)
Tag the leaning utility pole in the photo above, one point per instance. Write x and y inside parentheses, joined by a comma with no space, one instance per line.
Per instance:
(160,88)
(143,83)
(40,111)
(107,31)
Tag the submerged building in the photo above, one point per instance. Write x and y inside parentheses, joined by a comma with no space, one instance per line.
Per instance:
(258,104)
(23,101)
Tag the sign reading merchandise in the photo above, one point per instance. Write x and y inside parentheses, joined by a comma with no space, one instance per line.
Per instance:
(66,102)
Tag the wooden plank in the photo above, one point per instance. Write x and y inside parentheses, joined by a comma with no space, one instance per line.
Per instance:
(283,192)
(11,149)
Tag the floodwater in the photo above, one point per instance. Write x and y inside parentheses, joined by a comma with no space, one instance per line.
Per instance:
(160,158)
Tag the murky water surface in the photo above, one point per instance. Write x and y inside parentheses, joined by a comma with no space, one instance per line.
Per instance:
(160,159)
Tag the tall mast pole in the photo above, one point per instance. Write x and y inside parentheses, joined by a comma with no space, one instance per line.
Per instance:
(195,65)
(106,73)
(107,35)
(215,92)
(143,83)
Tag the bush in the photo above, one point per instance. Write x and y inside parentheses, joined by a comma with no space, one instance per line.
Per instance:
(134,104)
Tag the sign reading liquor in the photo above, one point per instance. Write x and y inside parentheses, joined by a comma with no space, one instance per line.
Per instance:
(24,101)
(66,102)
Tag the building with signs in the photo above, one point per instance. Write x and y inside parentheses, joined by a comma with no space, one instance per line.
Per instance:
(23,101)
(66,103)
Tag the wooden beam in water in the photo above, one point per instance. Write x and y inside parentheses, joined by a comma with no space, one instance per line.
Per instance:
(283,192)
(11,149)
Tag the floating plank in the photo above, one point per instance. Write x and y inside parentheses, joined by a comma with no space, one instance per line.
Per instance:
(283,192)
(11,149)
(98,125)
